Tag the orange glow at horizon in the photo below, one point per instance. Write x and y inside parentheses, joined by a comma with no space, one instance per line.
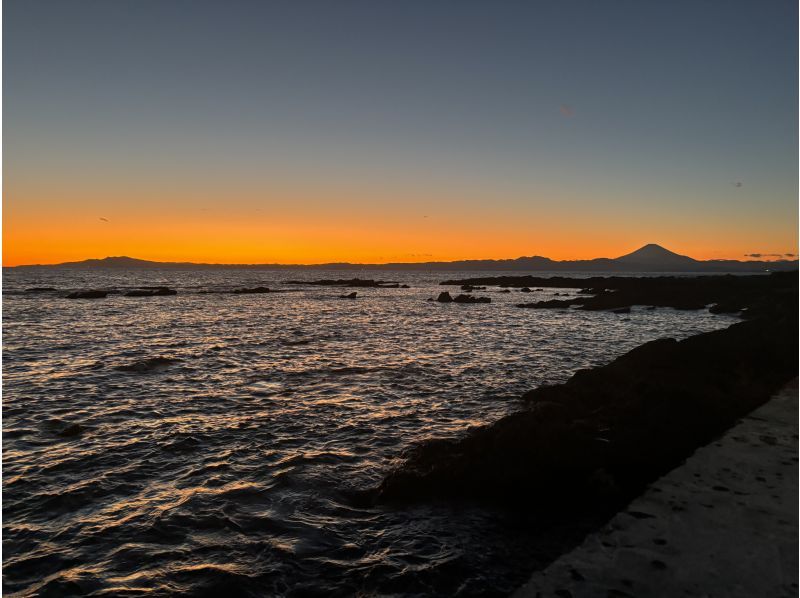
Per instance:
(297,239)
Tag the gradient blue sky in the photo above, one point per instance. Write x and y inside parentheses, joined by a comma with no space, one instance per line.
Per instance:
(376,131)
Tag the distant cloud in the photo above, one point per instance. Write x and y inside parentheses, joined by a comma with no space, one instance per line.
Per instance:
(566,110)
(759,255)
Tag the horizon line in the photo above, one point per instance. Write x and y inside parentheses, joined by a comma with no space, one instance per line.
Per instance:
(752,259)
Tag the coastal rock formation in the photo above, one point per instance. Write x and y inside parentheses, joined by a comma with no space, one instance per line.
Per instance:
(444,297)
(88,295)
(151,292)
(549,304)
(471,299)
(148,366)
(597,439)
(250,291)
(351,282)
(729,293)
(71,430)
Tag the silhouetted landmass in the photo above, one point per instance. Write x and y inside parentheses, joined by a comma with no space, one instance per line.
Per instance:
(591,444)
(650,258)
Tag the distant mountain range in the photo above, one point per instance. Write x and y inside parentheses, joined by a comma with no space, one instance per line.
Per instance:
(650,258)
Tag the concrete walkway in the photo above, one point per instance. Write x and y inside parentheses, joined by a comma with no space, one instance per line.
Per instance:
(724,524)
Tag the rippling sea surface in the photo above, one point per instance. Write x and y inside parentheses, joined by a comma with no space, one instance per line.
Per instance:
(230,470)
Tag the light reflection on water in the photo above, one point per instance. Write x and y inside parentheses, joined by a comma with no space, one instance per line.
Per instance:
(230,470)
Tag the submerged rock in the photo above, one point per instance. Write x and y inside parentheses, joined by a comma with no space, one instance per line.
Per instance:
(549,304)
(88,295)
(349,282)
(471,299)
(71,430)
(146,366)
(726,308)
(151,292)
(251,291)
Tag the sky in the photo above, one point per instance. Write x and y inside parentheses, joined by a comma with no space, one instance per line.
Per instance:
(375,131)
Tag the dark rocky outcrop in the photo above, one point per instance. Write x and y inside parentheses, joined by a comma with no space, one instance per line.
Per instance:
(88,295)
(151,292)
(595,441)
(350,282)
(728,292)
(471,299)
(549,304)
(250,291)
(352,295)
(469,288)
(71,430)
(444,297)
(147,366)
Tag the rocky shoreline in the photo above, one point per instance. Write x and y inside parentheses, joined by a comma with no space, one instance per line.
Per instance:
(579,451)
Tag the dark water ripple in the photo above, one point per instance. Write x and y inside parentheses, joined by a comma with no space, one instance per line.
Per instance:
(228,466)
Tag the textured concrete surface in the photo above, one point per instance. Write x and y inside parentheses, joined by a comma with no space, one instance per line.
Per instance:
(724,524)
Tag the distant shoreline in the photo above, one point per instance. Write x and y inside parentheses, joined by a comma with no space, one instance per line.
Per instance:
(648,259)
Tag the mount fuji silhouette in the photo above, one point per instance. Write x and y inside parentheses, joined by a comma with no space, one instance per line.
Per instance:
(649,258)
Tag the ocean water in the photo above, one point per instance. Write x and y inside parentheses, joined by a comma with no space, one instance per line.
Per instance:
(231,470)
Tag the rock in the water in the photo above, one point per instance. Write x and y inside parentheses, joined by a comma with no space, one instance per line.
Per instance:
(352,295)
(550,304)
(726,308)
(621,310)
(88,295)
(40,290)
(524,290)
(351,282)
(444,297)
(155,292)
(146,366)
(250,291)
(471,299)
(71,430)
